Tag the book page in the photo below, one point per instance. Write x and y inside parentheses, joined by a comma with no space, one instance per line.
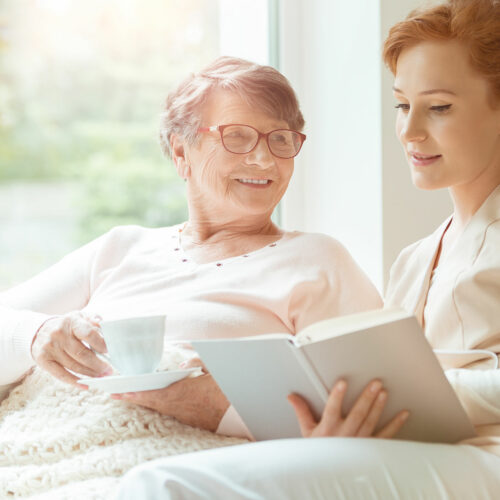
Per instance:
(347,324)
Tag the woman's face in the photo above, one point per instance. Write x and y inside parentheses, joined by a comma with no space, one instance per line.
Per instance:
(219,181)
(445,122)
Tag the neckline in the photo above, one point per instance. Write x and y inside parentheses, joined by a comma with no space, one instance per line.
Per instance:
(186,259)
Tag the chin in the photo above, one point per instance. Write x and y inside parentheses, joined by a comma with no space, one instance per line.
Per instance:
(427,183)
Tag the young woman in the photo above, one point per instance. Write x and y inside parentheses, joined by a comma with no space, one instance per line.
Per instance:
(446,63)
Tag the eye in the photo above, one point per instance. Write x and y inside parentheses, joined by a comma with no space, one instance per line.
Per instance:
(402,106)
(279,138)
(441,109)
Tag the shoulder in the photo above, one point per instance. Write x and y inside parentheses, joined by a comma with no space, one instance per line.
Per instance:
(121,240)
(328,257)
(317,245)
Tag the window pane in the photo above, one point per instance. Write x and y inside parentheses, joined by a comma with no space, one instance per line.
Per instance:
(81,88)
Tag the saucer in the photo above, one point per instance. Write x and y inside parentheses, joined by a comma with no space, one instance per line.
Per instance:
(116,384)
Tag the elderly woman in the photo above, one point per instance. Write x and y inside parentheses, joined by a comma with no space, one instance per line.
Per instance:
(446,62)
(232,131)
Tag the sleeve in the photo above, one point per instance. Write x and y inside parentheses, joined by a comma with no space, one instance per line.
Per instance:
(62,288)
(479,393)
(340,288)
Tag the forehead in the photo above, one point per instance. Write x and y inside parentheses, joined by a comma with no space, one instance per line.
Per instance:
(437,65)
(223,107)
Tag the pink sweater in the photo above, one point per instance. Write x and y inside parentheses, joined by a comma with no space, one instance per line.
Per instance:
(131,270)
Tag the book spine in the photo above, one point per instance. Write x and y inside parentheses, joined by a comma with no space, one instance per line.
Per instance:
(310,372)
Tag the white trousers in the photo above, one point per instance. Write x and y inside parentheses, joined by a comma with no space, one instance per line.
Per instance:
(320,468)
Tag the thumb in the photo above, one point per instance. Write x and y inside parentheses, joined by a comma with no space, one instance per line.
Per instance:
(306,419)
(194,362)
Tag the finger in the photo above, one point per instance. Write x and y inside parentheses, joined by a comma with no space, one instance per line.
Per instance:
(393,427)
(55,369)
(83,329)
(371,421)
(95,319)
(85,357)
(332,413)
(193,363)
(307,422)
(70,363)
(359,412)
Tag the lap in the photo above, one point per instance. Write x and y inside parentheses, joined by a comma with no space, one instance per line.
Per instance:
(329,468)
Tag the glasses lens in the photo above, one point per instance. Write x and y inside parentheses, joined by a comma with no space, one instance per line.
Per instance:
(285,143)
(239,138)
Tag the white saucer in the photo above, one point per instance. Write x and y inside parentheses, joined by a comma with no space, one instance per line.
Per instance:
(116,384)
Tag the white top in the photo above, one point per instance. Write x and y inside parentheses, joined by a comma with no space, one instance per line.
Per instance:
(460,304)
(281,288)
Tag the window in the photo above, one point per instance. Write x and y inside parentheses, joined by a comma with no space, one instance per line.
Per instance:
(81,88)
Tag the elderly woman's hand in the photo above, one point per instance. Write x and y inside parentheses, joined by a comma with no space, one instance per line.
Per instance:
(361,420)
(59,347)
(197,401)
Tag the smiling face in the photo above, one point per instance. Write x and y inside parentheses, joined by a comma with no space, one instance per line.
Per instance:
(228,186)
(446,122)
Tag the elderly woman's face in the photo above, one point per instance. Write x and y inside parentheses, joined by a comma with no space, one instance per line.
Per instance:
(236,184)
(446,124)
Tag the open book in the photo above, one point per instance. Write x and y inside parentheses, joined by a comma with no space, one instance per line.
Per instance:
(257,373)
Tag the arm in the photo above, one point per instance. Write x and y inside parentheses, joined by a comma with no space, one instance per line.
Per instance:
(479,393)
(26,307)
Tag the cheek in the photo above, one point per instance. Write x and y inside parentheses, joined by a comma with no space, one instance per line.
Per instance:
(286,168)
(399,127)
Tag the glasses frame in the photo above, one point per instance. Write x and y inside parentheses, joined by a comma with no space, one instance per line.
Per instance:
(220,129)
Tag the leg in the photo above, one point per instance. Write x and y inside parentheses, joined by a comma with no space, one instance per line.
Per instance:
(322,468)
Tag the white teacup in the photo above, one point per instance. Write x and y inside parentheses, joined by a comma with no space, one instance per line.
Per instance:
(135,345)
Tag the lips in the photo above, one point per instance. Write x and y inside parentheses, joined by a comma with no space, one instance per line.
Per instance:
(420,159)
(254,181)
(420,156)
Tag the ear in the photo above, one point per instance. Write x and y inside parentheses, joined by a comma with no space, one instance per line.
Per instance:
(179,156)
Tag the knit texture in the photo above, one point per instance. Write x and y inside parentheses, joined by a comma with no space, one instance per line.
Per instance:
(61,442)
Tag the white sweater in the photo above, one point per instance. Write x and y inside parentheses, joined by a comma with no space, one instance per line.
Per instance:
(131,270)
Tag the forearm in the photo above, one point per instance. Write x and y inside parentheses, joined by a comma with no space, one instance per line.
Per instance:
(24,308)
(17,329)
(479,393)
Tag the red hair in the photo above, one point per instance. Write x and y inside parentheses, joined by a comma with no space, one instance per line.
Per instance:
(473,22)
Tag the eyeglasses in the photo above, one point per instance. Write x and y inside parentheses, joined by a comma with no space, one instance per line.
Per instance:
(242,139)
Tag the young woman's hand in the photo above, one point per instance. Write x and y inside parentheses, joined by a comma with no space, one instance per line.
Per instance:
(59,348)
(361,421)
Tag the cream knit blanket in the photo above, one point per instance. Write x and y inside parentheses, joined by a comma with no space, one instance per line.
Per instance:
(60,442)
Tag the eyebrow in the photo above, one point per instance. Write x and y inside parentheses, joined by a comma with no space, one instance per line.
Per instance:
(427,92)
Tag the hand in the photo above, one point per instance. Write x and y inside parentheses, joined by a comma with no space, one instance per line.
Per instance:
(361,420)
(197,401)
(58,347)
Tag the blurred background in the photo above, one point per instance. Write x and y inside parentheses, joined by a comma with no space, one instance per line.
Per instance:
(82,85)
(81,88)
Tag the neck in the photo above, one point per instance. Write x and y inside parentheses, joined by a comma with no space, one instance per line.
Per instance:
(467,199)
(202,231)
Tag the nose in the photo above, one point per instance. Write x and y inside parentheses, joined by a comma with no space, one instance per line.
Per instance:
(411,128)
(261,155)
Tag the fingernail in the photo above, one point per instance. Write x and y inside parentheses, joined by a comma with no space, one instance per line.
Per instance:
(376,386)
(405,415)
(382,396)
(183,364)
(106,372)
(341,385)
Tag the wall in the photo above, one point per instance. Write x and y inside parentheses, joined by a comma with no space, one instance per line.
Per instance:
(351,179)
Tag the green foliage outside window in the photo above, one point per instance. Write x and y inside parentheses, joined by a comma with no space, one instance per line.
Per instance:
(81,90)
